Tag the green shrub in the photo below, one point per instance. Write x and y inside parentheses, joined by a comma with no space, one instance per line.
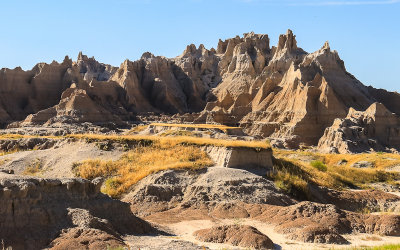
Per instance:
(319,165)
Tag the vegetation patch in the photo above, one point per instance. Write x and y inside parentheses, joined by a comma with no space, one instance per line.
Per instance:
(18,136)
(382,247)
(378,160)
(137,129)
(173,132)
(291,178)
(293,175)
(319,165)
(139,163)
(173,141)
(34,168)
(201,126)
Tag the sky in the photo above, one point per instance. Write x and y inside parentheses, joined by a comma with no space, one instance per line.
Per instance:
(366,33)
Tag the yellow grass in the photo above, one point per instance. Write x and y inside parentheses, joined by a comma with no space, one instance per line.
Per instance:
(139,163)
(18,136)
(173,132)
(174,141)
(293,173)
(382,247)
(137,129)
(148,139)
(379,160)
(205,126)
(34,168)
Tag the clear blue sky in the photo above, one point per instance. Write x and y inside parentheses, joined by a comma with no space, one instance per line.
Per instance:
(366,33)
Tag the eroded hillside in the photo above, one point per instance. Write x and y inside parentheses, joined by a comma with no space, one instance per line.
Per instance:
(281,92)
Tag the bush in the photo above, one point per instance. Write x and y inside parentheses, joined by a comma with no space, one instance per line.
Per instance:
(319,165)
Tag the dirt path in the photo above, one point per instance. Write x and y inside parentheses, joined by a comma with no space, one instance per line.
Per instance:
(182,237)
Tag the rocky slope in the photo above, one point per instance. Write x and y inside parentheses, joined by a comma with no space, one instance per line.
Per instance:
(225,196)
(281,92)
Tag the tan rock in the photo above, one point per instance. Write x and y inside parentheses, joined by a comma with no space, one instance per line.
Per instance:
(375,129)
(243,236)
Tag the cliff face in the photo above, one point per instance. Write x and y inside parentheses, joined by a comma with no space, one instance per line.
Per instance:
(284,92)
(35,211)
(280,92)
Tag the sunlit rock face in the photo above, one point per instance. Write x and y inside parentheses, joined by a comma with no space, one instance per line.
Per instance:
(280,92)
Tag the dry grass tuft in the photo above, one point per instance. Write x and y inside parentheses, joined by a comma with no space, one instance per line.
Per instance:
(382,247)
(18,136)
(141,162)
(293,173)
(137,129)
(205,126)
(34,168)
(379,160)
(173,132)
(372,238)
(174,141)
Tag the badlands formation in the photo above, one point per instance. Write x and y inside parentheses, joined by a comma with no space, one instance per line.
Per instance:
(245,146)
(283,93)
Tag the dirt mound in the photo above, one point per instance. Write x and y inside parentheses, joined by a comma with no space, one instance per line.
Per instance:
(36,210)
(243,236)
(319,234)
(315,222)
(86,238)
(167,189)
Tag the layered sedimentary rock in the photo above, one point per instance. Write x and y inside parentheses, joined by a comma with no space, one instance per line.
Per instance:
(75,106)
(35,211)
(240,157)
(284,92)
(25,92)
(375,129)
(280,92)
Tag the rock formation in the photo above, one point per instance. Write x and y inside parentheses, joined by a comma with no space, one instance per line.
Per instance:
(280,92)
(35,211)
(375,129)
(166,189)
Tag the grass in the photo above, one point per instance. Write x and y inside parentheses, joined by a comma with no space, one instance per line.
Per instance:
(139,163)
(379,160)
(204,126)
(382,247)
(173,132)
(372,238)
(116,248)
(173,141)
(319,165)
(294,175)
(148,139)
(18,136)
(137,129)
(34,168)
